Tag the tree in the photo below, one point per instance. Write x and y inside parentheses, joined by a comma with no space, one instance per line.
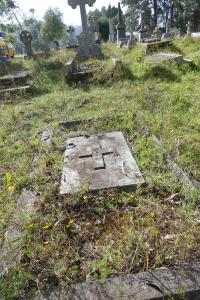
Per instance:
(53,26)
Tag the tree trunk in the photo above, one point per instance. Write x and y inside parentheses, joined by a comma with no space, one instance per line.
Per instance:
(155,8)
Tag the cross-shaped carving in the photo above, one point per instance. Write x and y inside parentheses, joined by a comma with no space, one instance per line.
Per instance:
(98,157)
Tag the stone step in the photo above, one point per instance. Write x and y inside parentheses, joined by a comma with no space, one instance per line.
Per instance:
(15,77)
(15,89)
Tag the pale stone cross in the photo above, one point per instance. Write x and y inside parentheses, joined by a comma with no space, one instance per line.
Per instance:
(87,44)
(82,3)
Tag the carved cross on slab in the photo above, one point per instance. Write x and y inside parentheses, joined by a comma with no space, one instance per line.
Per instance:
(98,157)
(101,162)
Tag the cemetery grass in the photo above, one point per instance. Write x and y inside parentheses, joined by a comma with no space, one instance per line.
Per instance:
(75,238)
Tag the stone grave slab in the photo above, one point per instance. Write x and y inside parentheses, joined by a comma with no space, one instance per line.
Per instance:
(161,284)
(101,162)
(164,57)
(178,283)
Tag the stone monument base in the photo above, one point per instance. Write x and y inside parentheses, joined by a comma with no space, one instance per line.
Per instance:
(88,47)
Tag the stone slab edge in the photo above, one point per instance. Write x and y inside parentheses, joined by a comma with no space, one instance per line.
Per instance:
(179,283)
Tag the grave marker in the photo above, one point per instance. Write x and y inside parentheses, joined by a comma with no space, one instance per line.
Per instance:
(101,162)
(26,38)
(121,28)
(87,44)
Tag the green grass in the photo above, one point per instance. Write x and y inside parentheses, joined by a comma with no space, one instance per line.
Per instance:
(75,238)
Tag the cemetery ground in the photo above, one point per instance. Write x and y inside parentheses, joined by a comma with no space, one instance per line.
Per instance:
(83,237)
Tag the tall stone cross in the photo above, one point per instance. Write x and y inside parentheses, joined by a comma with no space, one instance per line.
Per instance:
(87,46)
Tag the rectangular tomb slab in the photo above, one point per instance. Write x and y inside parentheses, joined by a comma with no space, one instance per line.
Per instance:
(99,162)
(163,57)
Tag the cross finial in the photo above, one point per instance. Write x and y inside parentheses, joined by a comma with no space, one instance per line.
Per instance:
(75,3)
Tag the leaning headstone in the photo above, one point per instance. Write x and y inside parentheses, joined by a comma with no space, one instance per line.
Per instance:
(26,38)
(88,47)
(101,162)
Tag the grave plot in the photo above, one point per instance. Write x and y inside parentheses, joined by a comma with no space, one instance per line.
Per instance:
(15,82)
(100,162)
(164,57)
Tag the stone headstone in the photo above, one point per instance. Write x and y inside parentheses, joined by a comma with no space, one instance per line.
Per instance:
(87,44)
(26,38)
(121,28)
(71,30)
(189,30)
(111,32)
(94,27)
(100,162)
(3,63)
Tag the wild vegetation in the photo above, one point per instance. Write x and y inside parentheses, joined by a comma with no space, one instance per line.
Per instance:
(76,238)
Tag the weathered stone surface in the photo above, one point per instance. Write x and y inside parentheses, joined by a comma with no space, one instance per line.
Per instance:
(15,76)
(179,283)
(87,44)
(100,162)
(26,38)
(11,251)
(164,57)
(69,67)
(15,89)
(26,203)
(121,27)
(160,284)
(47,136)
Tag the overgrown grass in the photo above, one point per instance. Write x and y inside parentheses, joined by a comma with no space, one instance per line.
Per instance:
(77,238)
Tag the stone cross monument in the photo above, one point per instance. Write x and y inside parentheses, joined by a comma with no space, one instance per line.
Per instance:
(121,28)
(26,38)
(87,45)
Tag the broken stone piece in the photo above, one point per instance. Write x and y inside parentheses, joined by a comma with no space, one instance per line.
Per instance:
(47,136)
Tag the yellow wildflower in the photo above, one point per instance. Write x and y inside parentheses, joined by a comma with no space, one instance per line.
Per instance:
(30,226)
(46,226)
(11,188)
(71,222)
(46,243)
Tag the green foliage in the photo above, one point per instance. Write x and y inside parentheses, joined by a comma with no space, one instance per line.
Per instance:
(72,238)
(53,26)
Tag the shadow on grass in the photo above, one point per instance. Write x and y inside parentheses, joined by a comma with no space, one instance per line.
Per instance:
(162,73)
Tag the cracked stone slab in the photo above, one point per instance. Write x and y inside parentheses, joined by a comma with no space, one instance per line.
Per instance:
(101,162)
(164,57)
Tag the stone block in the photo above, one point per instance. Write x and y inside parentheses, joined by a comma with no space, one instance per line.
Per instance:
(100,162)
(164,57)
